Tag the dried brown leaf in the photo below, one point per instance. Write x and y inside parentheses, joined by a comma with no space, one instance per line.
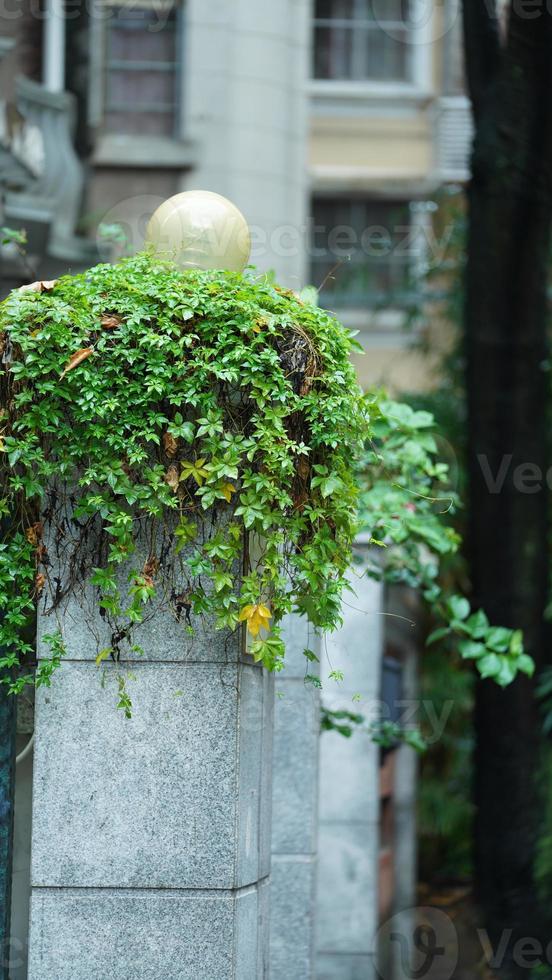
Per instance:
(170,445)
(110,321)
(34,534)
(77,358)
(151,567)
(172,477)
(40,286)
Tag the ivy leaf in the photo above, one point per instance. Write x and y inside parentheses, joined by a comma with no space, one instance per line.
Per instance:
(311,656)
(470,650)
(499,638)
(103,655)
(437,635)
(227,489)
(526,664)
(269,652)
(516,643)
(459,607)
(312,679)
(333,484)
(76,359)
(507,671)
(478,624)
(185,532)
(257,617)
(489,665)
(196,471)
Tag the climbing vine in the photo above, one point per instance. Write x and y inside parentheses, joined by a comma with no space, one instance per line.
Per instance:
(405,503)
(157,427)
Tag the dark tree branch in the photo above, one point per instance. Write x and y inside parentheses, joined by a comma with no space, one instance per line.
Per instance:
(482,49)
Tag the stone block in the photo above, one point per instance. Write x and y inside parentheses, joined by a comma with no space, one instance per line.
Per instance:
(168,799)
(347,888)
(349,772)
(292,918)
(343,967)
(295,773)
(102,934)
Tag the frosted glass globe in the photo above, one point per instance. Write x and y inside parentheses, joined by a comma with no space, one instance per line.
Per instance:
(200,230)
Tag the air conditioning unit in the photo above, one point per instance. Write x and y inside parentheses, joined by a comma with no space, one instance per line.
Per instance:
(453,138)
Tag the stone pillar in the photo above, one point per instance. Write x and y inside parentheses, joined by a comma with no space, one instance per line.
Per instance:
(294,810)
(348,842)
(246,110)
(151,836)
(406,644)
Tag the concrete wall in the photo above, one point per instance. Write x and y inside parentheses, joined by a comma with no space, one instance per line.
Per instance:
(151,836)
(247,112)
(348,840)
(294,810)
(21,863)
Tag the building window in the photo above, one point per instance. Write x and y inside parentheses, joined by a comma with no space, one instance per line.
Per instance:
(141,69)
(363,40)
(454,82)
(363,251)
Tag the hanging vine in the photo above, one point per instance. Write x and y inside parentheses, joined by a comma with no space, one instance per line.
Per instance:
(156,428)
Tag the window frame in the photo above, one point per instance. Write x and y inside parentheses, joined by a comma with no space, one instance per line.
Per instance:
(355,314)
(125,149)
(419,83)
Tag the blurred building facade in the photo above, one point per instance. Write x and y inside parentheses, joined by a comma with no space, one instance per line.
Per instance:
(330,123)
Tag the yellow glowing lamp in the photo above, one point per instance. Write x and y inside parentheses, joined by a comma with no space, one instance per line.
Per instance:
(200,230)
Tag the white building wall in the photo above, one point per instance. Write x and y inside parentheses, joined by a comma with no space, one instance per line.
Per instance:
(348,839)
(245,105)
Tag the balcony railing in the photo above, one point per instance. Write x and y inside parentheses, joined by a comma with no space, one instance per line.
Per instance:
(41,176)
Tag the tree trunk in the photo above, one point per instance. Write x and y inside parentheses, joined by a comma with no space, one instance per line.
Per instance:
(510,217)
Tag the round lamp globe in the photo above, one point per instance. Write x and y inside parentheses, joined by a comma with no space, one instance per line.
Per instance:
(200,230)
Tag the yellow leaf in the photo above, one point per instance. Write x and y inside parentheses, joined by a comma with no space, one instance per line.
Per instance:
(103,655)
(227,490)
(260,322)
(246,612)
(257,617)
(198,471)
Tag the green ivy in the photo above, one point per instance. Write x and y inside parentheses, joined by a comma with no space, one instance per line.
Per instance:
(405,503)
(195,415)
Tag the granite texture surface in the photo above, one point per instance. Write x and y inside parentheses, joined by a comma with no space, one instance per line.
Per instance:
(105,934)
